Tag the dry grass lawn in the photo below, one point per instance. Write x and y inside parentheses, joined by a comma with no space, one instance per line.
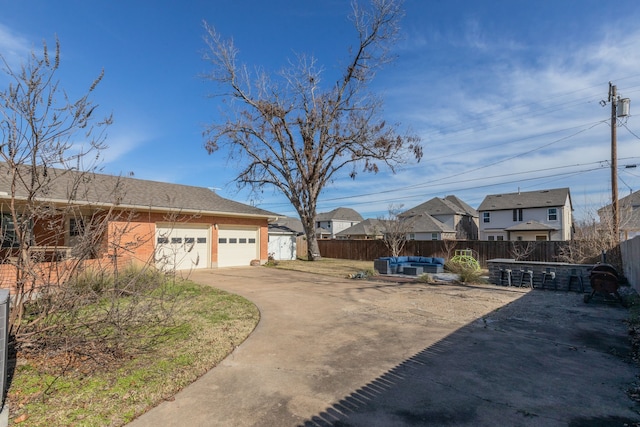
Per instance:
(68,392)
(327,266)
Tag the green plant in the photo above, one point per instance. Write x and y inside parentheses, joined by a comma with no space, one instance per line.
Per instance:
(467,273)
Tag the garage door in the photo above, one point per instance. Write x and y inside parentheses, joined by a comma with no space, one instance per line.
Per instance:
(237,246)
(182,247)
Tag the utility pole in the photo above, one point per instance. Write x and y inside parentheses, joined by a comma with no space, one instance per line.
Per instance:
(613,99)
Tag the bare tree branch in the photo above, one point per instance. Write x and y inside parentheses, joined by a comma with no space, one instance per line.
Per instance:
(294,132)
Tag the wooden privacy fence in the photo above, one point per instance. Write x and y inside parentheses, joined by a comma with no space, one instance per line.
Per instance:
(368,250)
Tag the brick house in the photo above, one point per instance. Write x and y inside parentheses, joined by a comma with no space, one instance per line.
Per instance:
(149,222)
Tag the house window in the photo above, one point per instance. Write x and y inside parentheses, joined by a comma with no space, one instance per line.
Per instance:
(243,240)
(412,236)
(222,240)
(76,227)
(491,238)
(202,240)
(552,214)
(252,240)
(9,237)
(517,215)
(519,238)
(500,238)
(486,216)
(434,236)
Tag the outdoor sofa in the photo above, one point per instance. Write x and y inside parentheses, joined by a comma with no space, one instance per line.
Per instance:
(393,265)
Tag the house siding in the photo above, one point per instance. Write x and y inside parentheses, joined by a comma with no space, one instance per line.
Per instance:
(503,219)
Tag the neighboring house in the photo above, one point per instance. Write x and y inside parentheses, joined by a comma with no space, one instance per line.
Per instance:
(328,224)
(283,235)
(527,215)
(369,229)
(425,227)
(629,215)
(169,225)
(452,212)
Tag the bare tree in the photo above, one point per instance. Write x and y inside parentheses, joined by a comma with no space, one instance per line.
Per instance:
(41,128)
(520,250)
(394,229)
(293,132)
(591,239)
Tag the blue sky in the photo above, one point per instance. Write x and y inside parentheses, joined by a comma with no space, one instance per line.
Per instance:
(505,94)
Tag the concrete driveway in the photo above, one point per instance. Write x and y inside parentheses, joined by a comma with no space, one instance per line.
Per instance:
(333,352)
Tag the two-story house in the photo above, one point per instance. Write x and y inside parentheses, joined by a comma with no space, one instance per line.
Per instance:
(527,215)
(629,215)
(328,224)
(453,213)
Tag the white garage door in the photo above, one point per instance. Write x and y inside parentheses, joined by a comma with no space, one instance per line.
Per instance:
(237,246)
(182,247)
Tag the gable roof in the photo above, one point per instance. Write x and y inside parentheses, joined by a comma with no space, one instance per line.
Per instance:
(345,214)
(368,227)
(64,186)
(425,223)
(526,199)
(286,223)
(464,206)
(450,205)
(629,211)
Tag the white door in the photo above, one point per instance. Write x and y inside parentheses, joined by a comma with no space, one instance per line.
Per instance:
(237,246)
(182,247)
(283,247)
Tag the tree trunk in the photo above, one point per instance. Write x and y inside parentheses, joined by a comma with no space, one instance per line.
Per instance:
(308,224)
(313,250)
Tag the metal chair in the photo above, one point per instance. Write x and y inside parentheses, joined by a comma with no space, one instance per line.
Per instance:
(526,272)
(505,274)
(549,273)
(575,274)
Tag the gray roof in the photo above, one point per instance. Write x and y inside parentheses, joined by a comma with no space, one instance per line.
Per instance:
(345,214)
(287,224)
(629,208)
(526,199)
(425,223)
(88,188)
(464,206)
(531,226)
(450,205)
(368,227)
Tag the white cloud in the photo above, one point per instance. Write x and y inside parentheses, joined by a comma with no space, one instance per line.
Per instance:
(14,48)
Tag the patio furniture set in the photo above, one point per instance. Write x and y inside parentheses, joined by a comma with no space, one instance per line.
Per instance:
(409,265)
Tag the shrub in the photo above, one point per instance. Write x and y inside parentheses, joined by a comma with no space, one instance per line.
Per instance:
(467,274)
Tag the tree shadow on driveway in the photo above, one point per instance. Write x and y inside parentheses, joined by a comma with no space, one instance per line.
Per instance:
(545,359)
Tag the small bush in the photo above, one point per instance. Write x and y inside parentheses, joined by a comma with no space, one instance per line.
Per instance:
(90,282)
(466,273)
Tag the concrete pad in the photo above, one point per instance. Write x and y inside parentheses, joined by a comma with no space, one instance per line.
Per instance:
(333,352)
